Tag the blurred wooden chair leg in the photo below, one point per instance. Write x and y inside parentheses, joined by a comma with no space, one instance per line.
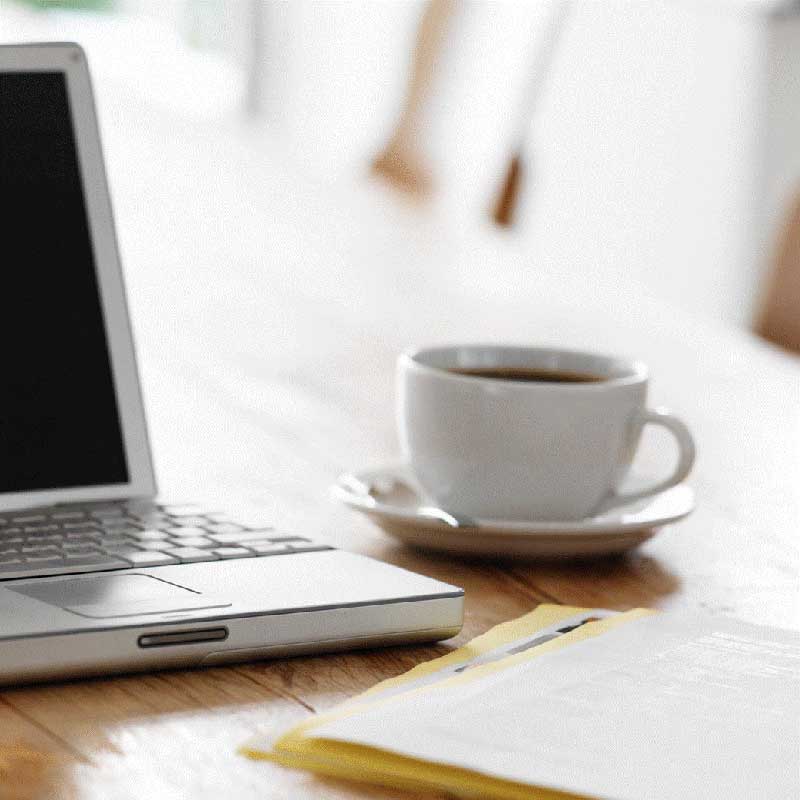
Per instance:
(508,198)
(402,161)
(779,319)
(518,171)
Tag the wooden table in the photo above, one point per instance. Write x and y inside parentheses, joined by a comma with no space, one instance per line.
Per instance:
(268,316)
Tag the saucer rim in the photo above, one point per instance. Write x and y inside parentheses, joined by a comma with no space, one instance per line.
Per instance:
(582,527)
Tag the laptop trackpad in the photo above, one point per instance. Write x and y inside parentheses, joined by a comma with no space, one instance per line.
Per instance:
(117,595)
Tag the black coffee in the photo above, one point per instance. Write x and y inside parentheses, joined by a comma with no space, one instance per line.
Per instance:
(528,374)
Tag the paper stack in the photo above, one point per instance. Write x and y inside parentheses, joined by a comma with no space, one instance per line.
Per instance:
(576,702)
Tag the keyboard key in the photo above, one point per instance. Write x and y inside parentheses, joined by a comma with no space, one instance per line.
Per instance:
(122,550)
(39,548)
(153,520)
(223,527)
(156,546)
(97,560)
(218,517)
(68,515)
(233,552)
(83,536)
(148,536)
(308,548)
(240,536)
(124,531)
(40,528)
(299,539)
(9,559)
(116,539)
(186,531)
(192,541)
(29,518)
(86,552)
(267,548)
(49,557)
(109,511)
(84,541)
(79,526)
(147,558)
(119,522)
(191,555)
(186,522)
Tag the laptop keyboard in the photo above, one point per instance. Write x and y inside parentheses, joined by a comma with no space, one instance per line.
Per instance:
(94,537)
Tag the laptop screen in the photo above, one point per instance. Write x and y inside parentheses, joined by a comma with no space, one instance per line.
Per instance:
(59,417)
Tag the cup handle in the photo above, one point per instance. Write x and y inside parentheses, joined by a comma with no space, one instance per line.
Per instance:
(686,455)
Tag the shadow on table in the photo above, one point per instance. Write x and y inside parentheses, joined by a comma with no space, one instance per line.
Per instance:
(615,581)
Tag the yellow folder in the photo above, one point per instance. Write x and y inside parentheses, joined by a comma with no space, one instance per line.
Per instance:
(299,748)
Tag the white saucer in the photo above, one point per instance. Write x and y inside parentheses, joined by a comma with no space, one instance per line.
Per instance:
(389,496)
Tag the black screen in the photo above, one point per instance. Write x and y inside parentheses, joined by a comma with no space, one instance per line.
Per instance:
(59,422)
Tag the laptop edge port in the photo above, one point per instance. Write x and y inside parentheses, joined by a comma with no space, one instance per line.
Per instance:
(183,637)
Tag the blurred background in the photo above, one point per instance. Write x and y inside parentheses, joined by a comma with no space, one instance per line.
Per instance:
(655,144)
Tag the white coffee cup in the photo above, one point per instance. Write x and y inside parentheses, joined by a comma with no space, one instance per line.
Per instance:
(495,448)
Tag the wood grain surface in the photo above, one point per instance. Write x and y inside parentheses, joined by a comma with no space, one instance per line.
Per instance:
(268,314)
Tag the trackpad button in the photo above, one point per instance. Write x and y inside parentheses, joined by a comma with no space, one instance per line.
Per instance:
(117,595)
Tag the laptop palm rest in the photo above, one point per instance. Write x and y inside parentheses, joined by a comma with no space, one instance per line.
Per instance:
(106,596)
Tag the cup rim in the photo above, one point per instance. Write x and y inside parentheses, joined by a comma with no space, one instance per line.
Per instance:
(636,369)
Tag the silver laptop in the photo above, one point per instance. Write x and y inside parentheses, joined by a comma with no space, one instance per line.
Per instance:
(95,574)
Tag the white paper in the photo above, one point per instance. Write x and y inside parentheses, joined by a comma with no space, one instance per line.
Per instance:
(663,708)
